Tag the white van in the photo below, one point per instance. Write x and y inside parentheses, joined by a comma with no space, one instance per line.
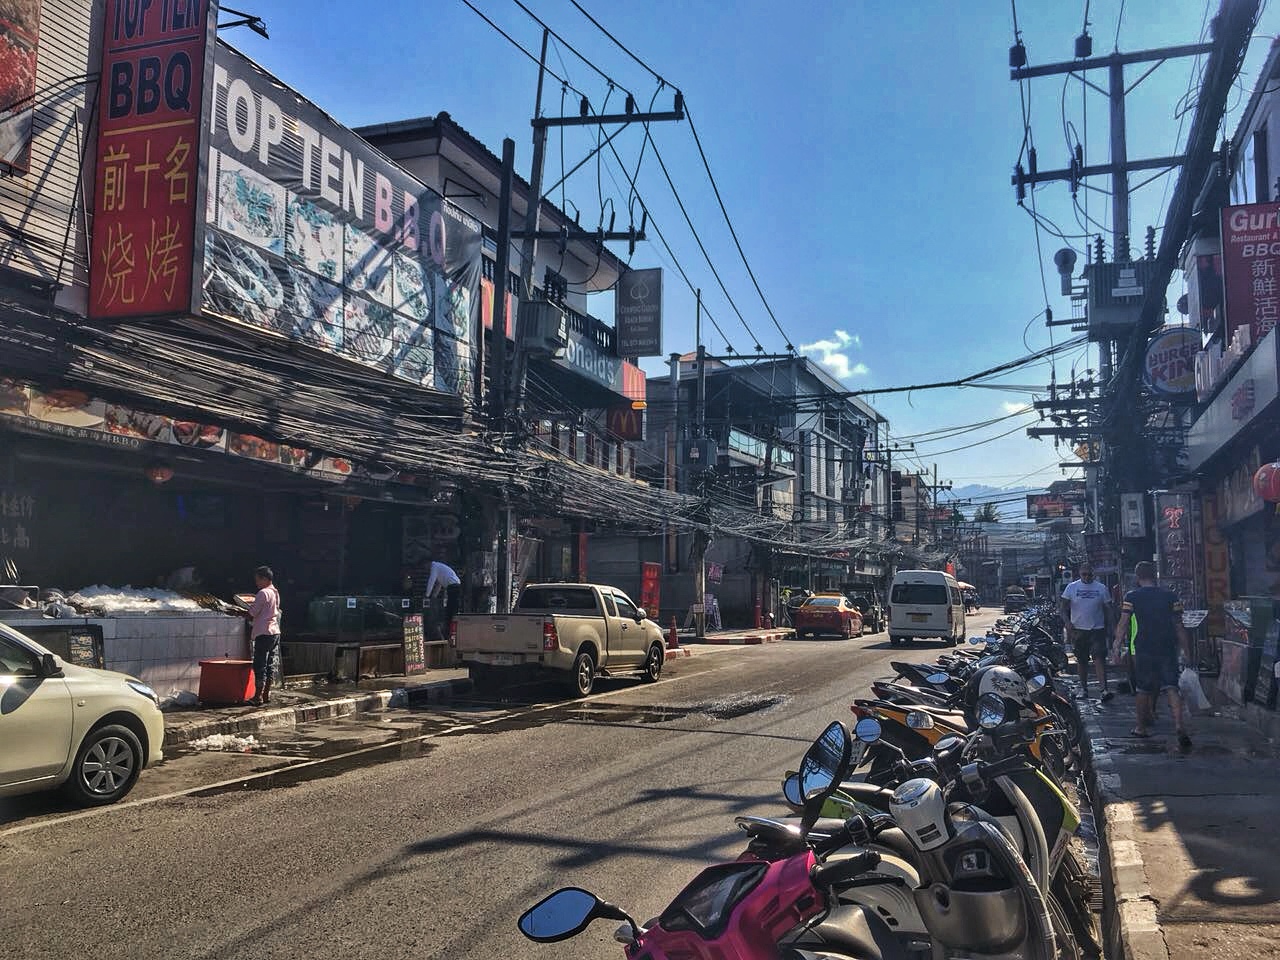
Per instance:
(925,603)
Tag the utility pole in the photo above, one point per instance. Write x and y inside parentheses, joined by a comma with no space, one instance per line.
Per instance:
(673,445)
(508,400)
(701,540)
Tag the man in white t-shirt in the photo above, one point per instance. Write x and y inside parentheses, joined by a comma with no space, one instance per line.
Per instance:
(1086,610)
(442,578)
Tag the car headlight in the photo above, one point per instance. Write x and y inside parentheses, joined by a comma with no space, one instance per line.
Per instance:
(137,686)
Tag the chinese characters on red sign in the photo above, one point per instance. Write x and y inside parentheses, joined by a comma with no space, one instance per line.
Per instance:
(1251,267)
(153,60)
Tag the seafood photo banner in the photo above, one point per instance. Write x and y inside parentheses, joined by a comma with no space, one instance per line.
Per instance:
(315,235)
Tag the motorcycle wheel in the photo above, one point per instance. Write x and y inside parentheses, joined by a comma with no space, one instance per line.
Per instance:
(1068,948)
(1070,898)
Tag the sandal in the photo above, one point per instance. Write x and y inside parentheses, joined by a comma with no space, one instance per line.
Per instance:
(1140,734)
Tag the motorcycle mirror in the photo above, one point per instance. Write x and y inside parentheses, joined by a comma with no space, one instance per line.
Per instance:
(938,677)
(791,791)
(919,720)
(1036,683)
(867,730)
(825,763)
(564,914)
(947,744)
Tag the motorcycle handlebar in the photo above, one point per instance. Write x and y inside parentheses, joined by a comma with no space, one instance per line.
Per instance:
(829,874)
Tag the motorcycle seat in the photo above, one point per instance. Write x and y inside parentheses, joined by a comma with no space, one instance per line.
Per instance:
(857,932)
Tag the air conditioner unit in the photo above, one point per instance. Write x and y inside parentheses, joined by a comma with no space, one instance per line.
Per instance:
(544,328)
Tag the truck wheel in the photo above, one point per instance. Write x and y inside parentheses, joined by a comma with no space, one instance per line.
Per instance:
(894,641)
(583,678)
(653,663)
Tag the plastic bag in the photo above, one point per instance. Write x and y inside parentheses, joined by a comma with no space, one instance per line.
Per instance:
(1192,693)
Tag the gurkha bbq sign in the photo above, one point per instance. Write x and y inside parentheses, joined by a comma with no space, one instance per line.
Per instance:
(149,108)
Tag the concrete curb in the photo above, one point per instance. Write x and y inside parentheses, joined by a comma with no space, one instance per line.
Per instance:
(1135,924)
(749,640)
(285,718)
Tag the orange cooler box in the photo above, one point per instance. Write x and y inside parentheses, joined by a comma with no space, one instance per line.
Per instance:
(226,681)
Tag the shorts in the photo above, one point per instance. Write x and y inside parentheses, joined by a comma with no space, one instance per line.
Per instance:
(1089,644)
(1154,673)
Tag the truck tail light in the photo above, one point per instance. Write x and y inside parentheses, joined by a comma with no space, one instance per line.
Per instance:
(550,639)
(453,633)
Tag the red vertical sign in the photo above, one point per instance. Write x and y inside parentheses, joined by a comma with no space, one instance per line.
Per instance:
(1251,267)
(651,588)
(149,114)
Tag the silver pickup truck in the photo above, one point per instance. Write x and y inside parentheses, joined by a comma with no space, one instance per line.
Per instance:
(578,631)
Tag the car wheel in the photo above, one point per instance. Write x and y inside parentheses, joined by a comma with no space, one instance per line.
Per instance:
(848,630)
(107,766)
(583,679)
(653,663)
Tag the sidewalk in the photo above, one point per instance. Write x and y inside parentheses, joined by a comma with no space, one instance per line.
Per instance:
(294,705)
(747,638)
(1193,850)
(301,704)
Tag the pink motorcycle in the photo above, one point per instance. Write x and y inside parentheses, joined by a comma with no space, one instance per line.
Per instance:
(749,909)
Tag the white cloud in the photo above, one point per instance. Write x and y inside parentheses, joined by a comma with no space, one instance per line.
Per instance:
(1011,408)
(833,353)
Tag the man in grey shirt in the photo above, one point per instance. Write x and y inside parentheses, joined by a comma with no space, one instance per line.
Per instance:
(1086,611)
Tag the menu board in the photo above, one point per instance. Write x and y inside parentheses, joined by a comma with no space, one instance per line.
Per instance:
(84,647)
(415,651)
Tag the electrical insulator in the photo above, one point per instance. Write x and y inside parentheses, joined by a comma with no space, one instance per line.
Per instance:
(679,103)
(1151,243)
(584,107)
(1020,185)
(1048,314)
(1031,161)
(631,104)
(1017,55)
(1080,157)
(1100,247)
(1084,46)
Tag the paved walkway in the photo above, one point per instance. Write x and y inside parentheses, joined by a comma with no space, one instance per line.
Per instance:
(1194,840)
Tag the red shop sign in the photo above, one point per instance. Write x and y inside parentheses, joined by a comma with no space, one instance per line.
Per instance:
(149,123)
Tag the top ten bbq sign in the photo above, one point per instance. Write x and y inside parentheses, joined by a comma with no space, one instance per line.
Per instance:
(146,186)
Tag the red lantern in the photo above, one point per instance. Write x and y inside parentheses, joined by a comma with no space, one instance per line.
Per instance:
(1266,482)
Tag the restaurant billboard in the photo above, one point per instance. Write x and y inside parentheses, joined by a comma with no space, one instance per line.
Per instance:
(19,43)
(315,235)
(1251,267)
(1062,505)
(149,108)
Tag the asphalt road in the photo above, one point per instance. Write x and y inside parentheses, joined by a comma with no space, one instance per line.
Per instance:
(433,837)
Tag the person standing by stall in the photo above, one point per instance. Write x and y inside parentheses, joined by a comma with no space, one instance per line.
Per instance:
(443,578)
(264,612)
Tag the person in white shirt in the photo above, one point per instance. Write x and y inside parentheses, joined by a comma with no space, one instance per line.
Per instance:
(443,578)
(1086,611)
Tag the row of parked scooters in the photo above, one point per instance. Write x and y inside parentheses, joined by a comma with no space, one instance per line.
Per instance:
(937,827)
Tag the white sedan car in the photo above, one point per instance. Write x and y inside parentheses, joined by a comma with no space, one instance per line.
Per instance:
(90,732)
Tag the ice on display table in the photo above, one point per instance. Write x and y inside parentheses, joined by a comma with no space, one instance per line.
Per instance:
(114,601)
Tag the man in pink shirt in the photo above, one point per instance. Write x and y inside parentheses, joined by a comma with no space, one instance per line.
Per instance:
(265,614)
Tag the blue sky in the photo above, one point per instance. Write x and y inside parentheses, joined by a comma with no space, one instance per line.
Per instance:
(863,151)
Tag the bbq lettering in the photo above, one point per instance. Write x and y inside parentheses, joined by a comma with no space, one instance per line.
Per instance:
(261,134)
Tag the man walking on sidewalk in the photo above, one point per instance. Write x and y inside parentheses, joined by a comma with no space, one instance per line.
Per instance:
(1151,623)
(1085,611)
